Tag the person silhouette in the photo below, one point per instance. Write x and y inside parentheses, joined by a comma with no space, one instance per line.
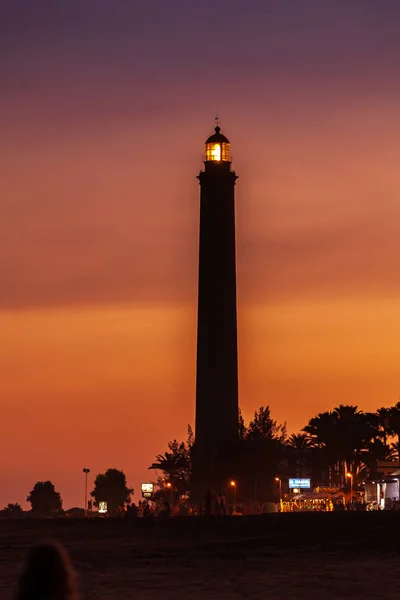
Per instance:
(48,575)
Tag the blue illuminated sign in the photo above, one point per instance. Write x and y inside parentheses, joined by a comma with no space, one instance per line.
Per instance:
(299,483)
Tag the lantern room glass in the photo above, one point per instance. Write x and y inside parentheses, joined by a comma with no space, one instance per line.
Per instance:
(217,152)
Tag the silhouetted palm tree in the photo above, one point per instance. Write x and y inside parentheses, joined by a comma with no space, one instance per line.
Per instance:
(394,419)
(176,463)
(395,450)
(343,434)
(375,451)
(298,452)
(383,422)
(300,441)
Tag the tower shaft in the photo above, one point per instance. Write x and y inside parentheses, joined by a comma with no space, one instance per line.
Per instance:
(217,356)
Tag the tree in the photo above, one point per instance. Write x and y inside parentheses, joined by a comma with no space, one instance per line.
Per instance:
(300,442)
(263,427)
(394,419)
(176,464)
(383,423)
(242,426)
(299,453)
(375,451)
(395,450)
(44,499)
(111,487)
(13,508)
(343,435)
(259,454)
(253,460)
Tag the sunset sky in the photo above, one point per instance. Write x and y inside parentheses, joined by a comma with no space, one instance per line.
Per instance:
(105,107)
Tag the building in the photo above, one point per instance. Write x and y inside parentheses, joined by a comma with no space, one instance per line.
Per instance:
(383,492)
(217,356)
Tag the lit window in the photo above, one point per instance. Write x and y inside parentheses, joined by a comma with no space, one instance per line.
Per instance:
(225,151)
(217,152)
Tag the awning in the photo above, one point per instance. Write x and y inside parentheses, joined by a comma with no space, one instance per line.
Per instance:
(313,496)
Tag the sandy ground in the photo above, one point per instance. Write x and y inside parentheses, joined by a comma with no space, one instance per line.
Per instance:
(276,557)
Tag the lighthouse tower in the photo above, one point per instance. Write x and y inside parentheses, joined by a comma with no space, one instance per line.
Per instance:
(217,356)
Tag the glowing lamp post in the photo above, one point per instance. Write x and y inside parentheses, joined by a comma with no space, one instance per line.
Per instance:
(279,482)
(295,491)
(169,485)
(350,476)
(86,471)
(233,485)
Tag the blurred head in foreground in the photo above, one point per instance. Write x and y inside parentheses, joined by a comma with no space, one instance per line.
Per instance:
(48,575)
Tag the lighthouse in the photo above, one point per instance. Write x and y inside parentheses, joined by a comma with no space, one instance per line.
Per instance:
(217,354)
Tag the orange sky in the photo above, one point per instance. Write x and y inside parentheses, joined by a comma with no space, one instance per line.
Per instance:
(99,230)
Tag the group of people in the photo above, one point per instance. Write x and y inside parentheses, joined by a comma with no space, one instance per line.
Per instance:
(219,504)
(146,510)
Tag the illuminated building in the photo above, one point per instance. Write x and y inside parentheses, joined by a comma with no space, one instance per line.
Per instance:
(217,359)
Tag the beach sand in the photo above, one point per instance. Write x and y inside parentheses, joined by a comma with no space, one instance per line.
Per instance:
(321,556)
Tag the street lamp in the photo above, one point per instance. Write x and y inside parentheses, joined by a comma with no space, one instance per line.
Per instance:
(169,485)
(233,485)
(350,476)
(86,471)
(279,481)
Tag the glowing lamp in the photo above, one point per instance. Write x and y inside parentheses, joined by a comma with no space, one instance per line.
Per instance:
(217,148)
(233,483)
